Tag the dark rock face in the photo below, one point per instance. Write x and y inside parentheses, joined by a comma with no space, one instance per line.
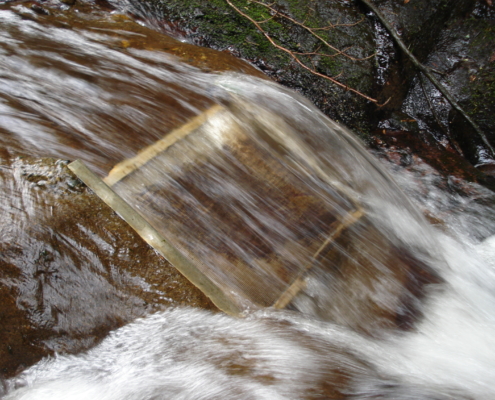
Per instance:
(473,78)
(464,57)
(419,24)
(70,269)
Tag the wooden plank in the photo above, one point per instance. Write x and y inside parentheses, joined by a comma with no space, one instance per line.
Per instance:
(153,238)
(126,167)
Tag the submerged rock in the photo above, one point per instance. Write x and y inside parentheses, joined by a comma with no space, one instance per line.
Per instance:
(70,269)
(443,184)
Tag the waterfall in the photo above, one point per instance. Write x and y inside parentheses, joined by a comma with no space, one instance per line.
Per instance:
(389,306)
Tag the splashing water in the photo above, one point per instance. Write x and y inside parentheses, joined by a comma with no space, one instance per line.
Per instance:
(411,317)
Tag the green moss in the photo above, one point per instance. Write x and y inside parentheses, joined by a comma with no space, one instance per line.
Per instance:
(216,24)
(482,97)
(480,90)
(223,26)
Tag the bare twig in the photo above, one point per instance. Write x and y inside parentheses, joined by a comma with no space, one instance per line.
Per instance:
(296,59)
(426,71)
(317,53)
(436,71)
(311,31)
(437,119)
(267,20)
(332,26)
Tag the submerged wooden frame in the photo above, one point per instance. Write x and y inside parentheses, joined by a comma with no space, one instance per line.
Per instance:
(103,189)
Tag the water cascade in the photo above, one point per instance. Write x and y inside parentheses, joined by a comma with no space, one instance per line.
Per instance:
(341,286)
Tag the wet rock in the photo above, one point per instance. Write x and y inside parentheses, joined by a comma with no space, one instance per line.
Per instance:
(473,80)
(442,183)
(463,57)
(37,8)
(455,39)
(407,148)
(70,269)
(419,24)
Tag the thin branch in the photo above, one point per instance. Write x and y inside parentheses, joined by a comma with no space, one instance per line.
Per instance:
(426,71)
(436,71)
(268,19)
(297,60)
(311,31)
(333,26)
(324,28)
(317,53)
(437,119)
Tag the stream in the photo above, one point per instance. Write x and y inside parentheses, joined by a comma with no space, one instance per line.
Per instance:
(395,265)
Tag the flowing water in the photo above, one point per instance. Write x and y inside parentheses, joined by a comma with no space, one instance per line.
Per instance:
(391,308)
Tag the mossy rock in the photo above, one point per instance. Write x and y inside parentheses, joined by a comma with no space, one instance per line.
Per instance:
(216,24)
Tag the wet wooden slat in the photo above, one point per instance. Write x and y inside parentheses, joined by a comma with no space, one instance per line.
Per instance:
(299,283)
(128,166)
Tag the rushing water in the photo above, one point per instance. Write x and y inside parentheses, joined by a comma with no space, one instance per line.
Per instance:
(396,310)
